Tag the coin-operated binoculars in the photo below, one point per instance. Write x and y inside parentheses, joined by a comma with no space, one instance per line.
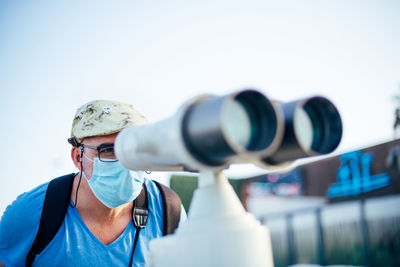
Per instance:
(206,135)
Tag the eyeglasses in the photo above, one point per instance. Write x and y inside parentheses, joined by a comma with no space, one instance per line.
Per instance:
(105,152)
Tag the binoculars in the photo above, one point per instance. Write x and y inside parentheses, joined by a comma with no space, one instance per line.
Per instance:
(212,132)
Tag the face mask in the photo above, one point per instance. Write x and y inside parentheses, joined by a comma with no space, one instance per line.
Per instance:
(113,184)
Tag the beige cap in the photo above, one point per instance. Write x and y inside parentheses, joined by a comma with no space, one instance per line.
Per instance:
(103,117)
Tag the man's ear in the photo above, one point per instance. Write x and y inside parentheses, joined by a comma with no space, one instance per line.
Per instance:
(76,156)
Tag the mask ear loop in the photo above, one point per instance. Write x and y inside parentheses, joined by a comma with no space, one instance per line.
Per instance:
(79,182)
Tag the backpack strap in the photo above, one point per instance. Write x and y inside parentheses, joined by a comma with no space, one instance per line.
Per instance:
(55,206)
(140,212)
(171,207)
(140,215)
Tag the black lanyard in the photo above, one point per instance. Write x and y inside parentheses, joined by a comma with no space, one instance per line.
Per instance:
(134,244)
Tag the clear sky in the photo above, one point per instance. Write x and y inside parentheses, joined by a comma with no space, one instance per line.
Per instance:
(57,55)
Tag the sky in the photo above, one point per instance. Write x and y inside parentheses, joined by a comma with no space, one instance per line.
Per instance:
(57,55)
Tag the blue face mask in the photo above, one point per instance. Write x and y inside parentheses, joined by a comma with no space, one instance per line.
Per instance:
(113,184)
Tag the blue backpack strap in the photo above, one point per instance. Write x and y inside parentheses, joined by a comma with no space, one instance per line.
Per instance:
(171,208)
(55,206)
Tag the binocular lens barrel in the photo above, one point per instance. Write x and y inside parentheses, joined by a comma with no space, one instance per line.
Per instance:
(312,127)
(218,128)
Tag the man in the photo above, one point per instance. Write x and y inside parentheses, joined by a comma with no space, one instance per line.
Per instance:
(97,229)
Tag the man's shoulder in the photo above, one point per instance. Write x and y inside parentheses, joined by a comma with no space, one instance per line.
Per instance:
(151,185)
(153,193)
(153,188)
(25,210)
(174,208)
(20,222)
(28,202)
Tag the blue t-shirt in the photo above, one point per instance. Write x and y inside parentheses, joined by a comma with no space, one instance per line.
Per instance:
(74,244)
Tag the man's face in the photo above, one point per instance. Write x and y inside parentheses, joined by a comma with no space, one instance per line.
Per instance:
(93,153)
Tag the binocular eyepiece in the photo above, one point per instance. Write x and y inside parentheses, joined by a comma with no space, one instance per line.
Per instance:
(211,132)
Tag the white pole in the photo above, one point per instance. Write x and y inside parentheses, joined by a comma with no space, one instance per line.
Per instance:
(219,232)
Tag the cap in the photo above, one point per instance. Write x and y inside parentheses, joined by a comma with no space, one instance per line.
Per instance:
(103,117)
